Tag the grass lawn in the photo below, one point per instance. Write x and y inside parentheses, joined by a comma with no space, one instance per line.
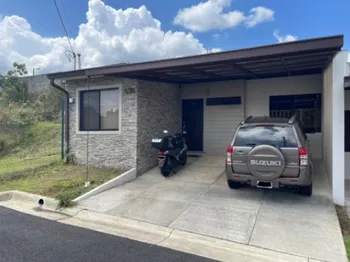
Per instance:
(347,245)
(40,147)
(344,222)
(64,182)
(35,167)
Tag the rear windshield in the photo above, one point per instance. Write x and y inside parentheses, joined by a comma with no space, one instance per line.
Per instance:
(278,136)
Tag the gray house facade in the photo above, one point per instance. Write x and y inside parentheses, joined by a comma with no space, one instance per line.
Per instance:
(141,107)
(115,111)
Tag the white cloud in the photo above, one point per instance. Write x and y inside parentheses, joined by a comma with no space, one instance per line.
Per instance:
(258,15)
(284,38)
(215,50)
(210,15)
(108,36)
(216,36)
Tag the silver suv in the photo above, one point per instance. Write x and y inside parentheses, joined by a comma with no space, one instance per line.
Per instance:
(270,153)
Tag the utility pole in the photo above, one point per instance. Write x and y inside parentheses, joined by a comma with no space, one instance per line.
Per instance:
(79,61)
(75,60)
(34,70)
(72,55)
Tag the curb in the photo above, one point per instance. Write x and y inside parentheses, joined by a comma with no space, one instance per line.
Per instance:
(176,239)
(117,181)
(19,196)
(28,203)
(119,226)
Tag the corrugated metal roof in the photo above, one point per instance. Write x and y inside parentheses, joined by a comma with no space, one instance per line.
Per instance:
(286,59)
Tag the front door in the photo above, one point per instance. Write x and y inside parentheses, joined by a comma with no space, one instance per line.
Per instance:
(192,123)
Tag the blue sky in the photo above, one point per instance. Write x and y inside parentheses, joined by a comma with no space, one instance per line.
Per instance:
(300,19)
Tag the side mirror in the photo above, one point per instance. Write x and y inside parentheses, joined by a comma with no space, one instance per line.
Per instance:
(165,131)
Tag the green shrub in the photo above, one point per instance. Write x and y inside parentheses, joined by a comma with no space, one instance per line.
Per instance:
(65,198)
(48,104)
(70,158)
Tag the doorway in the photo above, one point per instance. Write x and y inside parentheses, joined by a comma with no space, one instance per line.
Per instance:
(192,123)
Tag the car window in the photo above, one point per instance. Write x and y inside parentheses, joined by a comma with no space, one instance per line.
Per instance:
(278,136)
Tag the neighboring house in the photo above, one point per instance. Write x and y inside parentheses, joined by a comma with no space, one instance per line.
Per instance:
(37,82)
(114,111)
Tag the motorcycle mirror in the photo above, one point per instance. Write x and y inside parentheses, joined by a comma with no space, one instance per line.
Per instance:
(165,131)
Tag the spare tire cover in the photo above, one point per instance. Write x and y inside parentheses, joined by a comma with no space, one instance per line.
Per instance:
(266,162)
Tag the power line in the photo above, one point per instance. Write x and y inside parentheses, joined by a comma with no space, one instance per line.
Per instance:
(65,15)
(64,27)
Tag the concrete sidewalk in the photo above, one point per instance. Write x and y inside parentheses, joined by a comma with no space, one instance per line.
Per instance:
(198,200)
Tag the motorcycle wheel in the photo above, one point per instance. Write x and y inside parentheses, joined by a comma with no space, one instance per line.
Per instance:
(184,159)
(165,170)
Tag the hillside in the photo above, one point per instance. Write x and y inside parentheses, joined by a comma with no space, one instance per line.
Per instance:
(39,146)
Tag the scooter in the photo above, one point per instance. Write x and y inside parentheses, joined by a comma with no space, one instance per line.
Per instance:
(172,152)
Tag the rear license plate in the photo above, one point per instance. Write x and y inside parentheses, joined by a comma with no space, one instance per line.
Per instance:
(263,184)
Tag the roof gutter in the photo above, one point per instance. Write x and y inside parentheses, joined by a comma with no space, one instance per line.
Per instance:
(53,84)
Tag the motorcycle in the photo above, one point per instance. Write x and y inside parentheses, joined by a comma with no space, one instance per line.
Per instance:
(172,152)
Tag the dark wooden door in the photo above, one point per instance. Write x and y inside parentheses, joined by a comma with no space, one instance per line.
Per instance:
(347,131)
(192,123)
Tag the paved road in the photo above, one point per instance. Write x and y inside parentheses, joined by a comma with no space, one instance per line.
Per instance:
(28,238)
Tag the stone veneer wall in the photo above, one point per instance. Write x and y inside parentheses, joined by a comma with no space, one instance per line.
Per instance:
(106,150)
(159,108)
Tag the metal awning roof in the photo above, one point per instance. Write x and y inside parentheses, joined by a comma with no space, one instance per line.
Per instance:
(286,59)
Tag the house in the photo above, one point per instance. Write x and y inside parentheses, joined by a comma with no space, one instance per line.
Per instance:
(38,82)
(114,111)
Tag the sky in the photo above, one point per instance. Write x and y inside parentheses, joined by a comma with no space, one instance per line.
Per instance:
(113,31)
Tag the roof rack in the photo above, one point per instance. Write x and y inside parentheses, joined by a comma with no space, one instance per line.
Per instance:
(292,119)
(249,117)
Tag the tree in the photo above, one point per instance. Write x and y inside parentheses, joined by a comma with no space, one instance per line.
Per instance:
(12,85)
(48,104)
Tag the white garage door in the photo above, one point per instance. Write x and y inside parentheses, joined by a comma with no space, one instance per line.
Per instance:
(220,123)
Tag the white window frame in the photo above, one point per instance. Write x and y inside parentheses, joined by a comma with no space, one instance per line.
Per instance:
(100,87)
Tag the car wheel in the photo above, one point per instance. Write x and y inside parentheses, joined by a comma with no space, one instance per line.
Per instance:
(306,190)
(233,185)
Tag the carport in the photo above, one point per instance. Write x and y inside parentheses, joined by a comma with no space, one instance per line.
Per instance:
(218,90)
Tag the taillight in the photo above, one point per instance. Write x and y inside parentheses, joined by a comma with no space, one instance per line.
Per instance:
(303,156)
(229,155)
(161,156)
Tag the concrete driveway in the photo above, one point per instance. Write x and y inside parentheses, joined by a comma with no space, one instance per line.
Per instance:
(197,199)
